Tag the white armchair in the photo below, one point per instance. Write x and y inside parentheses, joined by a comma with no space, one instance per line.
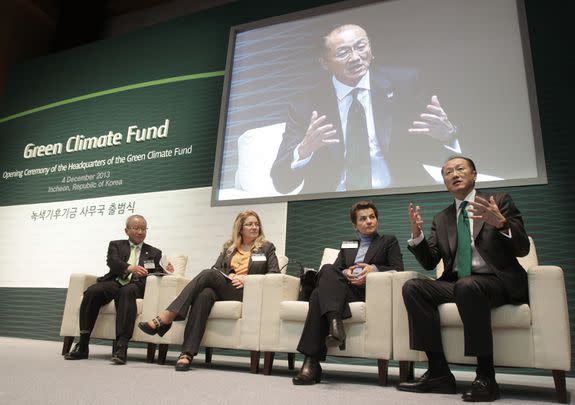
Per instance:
(231,324)
(368,330)
(534,335)
(105,327)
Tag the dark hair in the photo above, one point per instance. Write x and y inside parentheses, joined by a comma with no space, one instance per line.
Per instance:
(361,205)
(459,157)
(326,29)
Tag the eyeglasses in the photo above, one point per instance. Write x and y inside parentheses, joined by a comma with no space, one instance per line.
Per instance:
(250,224)
(138,228)
(451,172)
(343,53)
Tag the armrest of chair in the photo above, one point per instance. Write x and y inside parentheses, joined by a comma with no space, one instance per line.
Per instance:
(79,282)
(549,317)
(401,349)
(160,292)
(277,288)
(378,314)
(252,311)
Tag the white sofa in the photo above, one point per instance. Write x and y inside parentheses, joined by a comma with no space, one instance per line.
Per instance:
(105,327)
(231,324)
(534,335)
(368,330)
(257,151)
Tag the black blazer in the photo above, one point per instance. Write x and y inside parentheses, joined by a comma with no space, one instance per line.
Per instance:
(384,253)
(119,254)
(499,252)
(396,102)
(270,265)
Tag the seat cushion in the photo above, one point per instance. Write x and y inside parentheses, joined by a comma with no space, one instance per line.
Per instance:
(506,316)
(297,311)
(226,310)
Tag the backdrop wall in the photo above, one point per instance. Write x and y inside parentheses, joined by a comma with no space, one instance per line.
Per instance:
(175,71)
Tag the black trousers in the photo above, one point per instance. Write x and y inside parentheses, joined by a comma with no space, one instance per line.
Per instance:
(332,294)
(101,293)
(474,296)
(196,301)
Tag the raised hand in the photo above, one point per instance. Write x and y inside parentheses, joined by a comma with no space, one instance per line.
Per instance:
(487,211)
(434,122)
(318,134)
(415,220)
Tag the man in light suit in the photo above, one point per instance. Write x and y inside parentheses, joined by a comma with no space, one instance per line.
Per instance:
(479,238)
(342,283)
(130,262)
(349,131)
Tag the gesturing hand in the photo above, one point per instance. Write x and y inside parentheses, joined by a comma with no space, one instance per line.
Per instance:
(138,271)
(487,211)
(415,220)
(434,122)
(317,135)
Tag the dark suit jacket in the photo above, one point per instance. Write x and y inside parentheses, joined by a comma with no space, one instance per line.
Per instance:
(384,253)
(119,254)
(396,102)
(499,252)
(254,267)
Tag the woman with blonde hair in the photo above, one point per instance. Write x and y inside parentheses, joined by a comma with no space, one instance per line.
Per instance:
(247,252)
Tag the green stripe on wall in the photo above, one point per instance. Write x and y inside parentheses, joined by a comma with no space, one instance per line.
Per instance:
(113,91)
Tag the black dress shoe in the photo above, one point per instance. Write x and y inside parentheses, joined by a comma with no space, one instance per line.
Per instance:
(310,372)
(120,354)
(336,336)
(77,353)
(483,389)
(444,384)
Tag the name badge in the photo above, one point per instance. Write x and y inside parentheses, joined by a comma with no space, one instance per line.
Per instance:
(149,265)
(349,244)
(259,257)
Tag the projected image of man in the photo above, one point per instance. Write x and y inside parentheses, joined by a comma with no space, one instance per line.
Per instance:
(348,133)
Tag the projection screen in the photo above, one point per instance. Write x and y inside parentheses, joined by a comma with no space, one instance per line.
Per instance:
(437,78)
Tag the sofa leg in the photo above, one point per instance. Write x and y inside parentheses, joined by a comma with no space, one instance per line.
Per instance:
(162,353)
(405,371)
(268,362)
(68,340)
(560,387)
(151,353)
(382,371)
(254,362)
(291,361)
(208,354)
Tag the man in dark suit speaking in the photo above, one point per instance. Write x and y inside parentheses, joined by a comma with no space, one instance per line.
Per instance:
(130,261)
(351,131)
(479,238)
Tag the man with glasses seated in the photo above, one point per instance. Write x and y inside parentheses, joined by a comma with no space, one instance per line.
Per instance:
(130,261)
(353,130)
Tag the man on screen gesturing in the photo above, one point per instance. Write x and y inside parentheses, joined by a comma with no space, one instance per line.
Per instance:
(354,130)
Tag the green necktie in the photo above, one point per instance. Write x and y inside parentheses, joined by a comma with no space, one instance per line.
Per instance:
(132,261)
(463,243)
